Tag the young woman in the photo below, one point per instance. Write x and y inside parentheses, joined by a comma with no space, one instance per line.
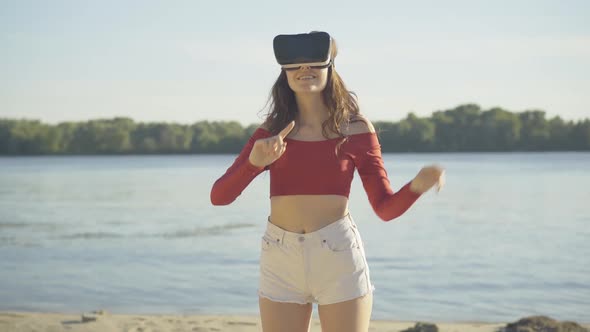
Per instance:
(311,142)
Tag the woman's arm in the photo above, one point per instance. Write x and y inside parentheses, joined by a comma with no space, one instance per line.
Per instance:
(237,177)
(386,203)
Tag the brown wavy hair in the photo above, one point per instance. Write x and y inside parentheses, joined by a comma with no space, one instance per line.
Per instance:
(342,104)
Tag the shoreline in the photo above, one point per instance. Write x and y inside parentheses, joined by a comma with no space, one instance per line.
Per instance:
(21,321)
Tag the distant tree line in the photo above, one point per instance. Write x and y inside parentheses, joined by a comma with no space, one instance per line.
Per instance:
(461,129)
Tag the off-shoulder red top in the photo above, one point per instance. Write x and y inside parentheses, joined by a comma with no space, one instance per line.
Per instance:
(319,168)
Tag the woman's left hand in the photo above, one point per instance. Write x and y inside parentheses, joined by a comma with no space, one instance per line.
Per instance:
(427,178)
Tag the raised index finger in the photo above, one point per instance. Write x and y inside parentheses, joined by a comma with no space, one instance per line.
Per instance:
(286,130)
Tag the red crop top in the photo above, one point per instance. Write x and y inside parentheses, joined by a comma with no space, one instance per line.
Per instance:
(314,168)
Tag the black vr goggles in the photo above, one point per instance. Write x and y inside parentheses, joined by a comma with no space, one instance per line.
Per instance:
(310,49)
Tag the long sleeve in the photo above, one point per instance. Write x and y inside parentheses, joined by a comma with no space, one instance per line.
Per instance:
(237,177)
(369,162)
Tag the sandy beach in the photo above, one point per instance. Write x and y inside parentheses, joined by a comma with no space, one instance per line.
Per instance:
(106,322)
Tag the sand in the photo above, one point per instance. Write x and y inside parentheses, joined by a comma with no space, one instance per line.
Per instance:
(107,322)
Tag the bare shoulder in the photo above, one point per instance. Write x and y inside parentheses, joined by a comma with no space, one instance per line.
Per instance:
(359,124)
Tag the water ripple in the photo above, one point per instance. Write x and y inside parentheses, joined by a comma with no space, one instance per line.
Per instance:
(196,232)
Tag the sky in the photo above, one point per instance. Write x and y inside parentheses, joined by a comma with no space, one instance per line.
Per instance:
(188,61)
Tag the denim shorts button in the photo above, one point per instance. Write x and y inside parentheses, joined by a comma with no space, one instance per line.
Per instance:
(301,239)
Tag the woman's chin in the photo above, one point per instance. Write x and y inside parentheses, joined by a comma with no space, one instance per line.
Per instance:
(308,89)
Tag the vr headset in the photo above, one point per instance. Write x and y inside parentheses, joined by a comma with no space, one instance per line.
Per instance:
(311,49)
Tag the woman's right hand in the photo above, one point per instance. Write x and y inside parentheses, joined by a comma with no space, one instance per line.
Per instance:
(266,150)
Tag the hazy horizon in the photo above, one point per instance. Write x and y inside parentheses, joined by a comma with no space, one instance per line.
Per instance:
(190,61)
(548,117)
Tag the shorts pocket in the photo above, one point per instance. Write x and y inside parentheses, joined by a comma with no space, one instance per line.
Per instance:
(267,242)
(341,241)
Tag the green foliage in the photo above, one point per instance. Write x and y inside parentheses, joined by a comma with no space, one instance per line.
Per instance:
(463,128)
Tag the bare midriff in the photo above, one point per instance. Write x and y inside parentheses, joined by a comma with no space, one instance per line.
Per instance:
(306,213)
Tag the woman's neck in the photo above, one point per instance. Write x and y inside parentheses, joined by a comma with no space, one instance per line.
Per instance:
(312,111)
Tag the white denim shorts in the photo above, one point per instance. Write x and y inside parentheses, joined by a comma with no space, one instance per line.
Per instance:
(326,266)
